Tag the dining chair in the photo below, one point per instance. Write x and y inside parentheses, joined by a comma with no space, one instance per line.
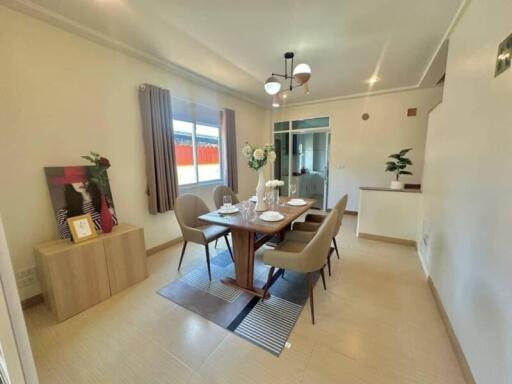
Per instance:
(218,198)
(218,195)
(188,208)
(296,254)
(313,220)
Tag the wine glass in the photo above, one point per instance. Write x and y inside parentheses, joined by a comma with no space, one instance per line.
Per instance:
(227,202)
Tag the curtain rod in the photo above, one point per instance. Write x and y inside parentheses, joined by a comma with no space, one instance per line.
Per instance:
(142,87)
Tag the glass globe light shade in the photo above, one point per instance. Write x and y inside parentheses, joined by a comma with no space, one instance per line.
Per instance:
(302,73)
(272,86)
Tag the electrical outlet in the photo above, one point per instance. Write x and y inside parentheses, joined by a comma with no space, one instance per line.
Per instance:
(26,277)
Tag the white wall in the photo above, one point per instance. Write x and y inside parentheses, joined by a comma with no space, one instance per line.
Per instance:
(62,96)
(391,214)
(468,190)
(359,148)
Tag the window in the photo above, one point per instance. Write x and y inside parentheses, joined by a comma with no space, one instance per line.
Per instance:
(317,122)
(197,143)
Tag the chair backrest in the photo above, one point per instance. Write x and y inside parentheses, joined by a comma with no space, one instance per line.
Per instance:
(340,207)
(220,191)
(315,253)
(188,208)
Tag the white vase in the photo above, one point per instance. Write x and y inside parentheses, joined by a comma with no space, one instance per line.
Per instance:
(397,185)
(261,205)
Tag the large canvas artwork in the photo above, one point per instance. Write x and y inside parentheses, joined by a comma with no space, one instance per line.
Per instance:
(73,194)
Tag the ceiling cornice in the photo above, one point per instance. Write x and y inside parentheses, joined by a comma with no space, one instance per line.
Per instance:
(33,10)
(354,96)
(29,8)
(446,35)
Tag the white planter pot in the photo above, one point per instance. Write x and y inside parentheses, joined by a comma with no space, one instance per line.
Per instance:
(397,185)
(261,205)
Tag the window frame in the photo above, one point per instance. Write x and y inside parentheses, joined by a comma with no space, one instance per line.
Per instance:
(195,153)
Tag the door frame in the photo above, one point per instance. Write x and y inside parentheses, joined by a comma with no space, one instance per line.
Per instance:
(291,132)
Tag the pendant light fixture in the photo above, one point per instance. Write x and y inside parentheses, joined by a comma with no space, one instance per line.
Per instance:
(299,74)
(272,85)
(275,101)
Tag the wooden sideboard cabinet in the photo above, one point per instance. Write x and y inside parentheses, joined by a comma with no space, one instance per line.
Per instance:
(75,277)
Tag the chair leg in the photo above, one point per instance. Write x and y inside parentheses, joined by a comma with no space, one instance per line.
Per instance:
(323,277)
(282,275)
(311,302)
(215,246)
(329,261)
(229,247)
(336,247)
(267,285)
(182,253)
(207,249)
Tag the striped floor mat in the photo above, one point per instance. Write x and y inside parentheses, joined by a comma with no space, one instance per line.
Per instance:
(270,323)
(198,278)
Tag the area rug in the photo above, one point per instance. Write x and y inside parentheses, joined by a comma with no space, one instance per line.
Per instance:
(267,324)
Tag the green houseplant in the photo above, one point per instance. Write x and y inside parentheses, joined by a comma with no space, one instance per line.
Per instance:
(398,166)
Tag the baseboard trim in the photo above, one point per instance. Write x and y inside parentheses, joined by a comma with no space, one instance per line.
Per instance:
(351,213)
(459,353)
(387,239)
(161,247)
(31,301)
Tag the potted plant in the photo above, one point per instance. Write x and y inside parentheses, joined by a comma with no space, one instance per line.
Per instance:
(99,177)
(398,166)
(257,158)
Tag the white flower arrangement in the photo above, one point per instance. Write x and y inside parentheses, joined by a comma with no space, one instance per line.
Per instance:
(274,183)
(257,157)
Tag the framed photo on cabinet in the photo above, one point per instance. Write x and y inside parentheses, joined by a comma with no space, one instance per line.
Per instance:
(81,227)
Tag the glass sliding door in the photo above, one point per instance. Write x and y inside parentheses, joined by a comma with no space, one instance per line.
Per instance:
(309,166)
(282,164)
(302,148)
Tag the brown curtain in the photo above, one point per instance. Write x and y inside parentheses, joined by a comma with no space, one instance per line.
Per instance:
(155,104)
(229,149)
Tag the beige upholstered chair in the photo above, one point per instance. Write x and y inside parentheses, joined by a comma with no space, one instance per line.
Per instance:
(218,195)
(188,208)
(220,191)
(313,221)
(298,254)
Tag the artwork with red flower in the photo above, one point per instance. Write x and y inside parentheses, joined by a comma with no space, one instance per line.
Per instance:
(73,194)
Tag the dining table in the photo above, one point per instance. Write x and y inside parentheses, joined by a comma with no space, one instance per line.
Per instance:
(249,232)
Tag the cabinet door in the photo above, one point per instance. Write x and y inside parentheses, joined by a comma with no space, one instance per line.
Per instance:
(126,259)
(78,278)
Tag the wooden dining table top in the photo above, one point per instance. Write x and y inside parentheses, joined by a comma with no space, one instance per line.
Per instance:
(255,224)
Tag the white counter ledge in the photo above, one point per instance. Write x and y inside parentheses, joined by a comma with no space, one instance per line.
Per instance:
(388,214)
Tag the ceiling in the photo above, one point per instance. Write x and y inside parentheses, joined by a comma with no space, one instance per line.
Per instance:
(239,43)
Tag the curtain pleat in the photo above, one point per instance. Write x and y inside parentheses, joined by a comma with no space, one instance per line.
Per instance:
(162,184)
(229,149)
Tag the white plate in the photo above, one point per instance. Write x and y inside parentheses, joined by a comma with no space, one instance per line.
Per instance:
(297,202)
(271,216)
(229,211)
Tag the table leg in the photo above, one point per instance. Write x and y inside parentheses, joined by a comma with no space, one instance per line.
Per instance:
(243,253)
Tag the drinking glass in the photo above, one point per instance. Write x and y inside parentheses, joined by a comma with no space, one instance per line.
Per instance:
(227,201)
(293,190)
(245,205)
(270,198)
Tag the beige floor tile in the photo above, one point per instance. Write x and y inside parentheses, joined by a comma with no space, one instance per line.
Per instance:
(376,324)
